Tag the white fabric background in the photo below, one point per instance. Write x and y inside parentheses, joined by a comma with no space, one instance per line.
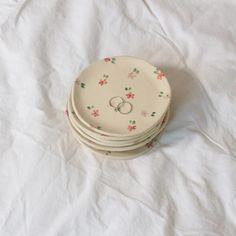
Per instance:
(51,185)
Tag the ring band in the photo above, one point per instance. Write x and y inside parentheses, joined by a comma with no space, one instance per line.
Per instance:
(113,98)
(123,104)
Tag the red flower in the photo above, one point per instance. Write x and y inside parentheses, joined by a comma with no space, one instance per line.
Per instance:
(131,127)
(102,82)
(149,145)
(107,59)
(95,113)
(160,75)
(130,95)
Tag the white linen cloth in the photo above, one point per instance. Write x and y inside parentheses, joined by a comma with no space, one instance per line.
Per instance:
(51,185)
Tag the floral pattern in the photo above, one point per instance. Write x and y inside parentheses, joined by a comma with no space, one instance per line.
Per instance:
(160,74)
(110,59)
(144,113)
(82,85)
(149,144)
(95,112)
(132,125)
(129,95)
(104,80)
(133,73)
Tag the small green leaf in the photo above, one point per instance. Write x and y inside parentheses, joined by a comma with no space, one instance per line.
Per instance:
(161,92)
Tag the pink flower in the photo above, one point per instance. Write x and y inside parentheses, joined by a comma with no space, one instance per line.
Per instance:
(95,113)
(77,82)
(131,75)
(160,75)
(130,95)
(102,82)
(131,127)
(144,113)
(107,59)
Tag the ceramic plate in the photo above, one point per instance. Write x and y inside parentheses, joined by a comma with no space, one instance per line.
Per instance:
(99,139)
(127,154)
(121,96)
(122,148)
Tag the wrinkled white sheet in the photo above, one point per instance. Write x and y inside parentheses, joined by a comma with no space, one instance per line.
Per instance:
(51,185)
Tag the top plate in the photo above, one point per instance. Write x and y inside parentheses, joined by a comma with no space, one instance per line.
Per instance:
(121,96)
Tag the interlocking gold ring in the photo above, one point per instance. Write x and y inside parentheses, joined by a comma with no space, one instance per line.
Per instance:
(120,105)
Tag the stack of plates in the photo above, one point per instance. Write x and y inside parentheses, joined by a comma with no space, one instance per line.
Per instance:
(118,106)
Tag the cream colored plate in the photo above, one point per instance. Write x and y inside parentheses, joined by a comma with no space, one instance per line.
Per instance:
(103,137)
(126,154)
(98,146)
(121,96)
(99,140)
